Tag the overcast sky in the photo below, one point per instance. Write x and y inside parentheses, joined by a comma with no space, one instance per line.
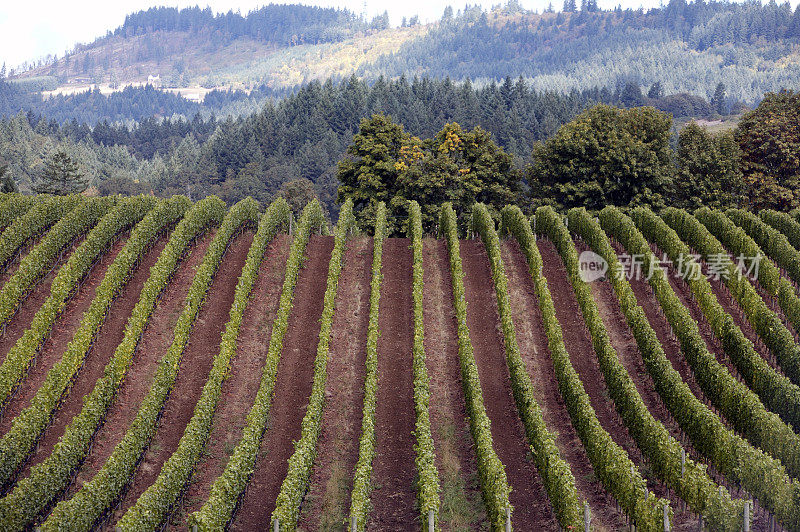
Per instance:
(34,28)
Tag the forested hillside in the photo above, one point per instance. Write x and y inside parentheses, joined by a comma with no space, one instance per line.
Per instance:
(686,47)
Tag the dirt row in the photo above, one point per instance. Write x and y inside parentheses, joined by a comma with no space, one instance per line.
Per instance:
(239,390)
(157,337)
(462,507)
(327,503)
(20,322)
(292,389)
(193,372)
(61,334)
(532,341)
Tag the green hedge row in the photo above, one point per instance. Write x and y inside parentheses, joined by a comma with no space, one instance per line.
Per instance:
(554,470)
(771,241)
(740,405)
(760,474)
(716,230)
(97,496)
(775,390)
(295,484)
(26,429)
(427,475)
(36,492)
(42,215)
(663,451)
(153,507)
(228,488)
(610,462)
(784,223)
(39,261)
(491,471)
(359,497)
(14,368)
(15,206)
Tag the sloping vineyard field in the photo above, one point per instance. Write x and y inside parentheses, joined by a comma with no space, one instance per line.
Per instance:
(178,365)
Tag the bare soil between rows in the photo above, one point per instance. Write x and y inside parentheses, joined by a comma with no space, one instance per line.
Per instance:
(327,503)
(578,342)
(195,365)
(292,390)
(532,509)
(156,339)
(32,302)
(532,341)
(108,338)
(61,334)
(462,505)
(393,495)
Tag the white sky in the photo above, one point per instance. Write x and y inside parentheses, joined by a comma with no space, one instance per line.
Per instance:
(32,29)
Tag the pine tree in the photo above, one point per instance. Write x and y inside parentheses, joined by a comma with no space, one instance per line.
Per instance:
(7,183)
(61,176)
(570,6)
(718,100)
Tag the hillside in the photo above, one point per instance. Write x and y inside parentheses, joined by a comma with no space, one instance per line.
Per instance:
(168,365)
(750,48)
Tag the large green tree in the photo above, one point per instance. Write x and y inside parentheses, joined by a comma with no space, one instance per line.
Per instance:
(709,172)
(387,164)
(605,156)
(61,176)
(769,137)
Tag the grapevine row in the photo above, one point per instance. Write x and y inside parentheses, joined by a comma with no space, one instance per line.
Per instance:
(610,461)
(97,496)
(492,474)
(45,213)
(34,493)
(772,241)
(784,223)
(15,206)
(36,265)
(689,479)
(699,231)
(553,469)
(26,429)
(359,498)
(18,360)
(228,488)
(295,484)
(153,507)
(427,474)
(777,391)
(741,406)
(760,474)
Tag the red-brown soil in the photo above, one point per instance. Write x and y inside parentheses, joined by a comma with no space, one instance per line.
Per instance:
(196,363)
(455,453)
(292,389)
(624,343)
(155,341)
(327,502)
(393,496)
(732,307)
(239,390)
(533,346)
(12,265)
(62,332)
(532,509)
(20,322)
(579,345)
(108,338)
